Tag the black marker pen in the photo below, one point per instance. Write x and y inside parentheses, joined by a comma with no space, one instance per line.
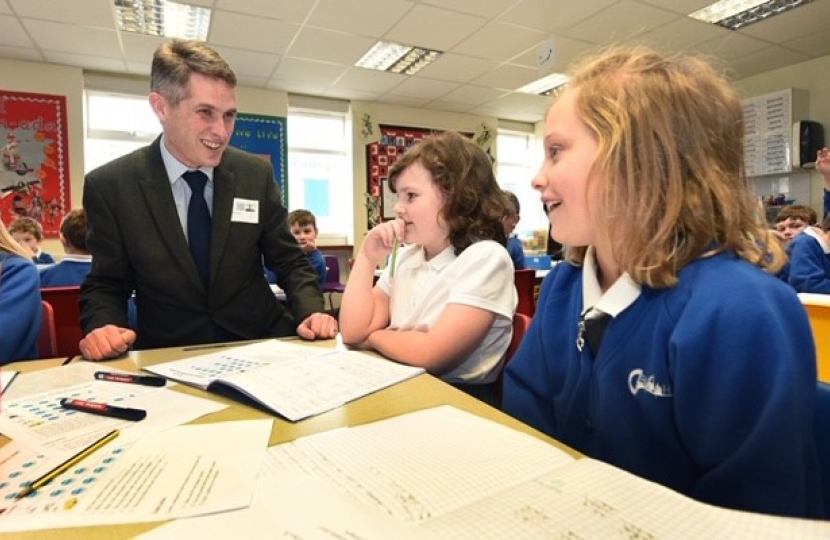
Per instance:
(103,409)
(129,378)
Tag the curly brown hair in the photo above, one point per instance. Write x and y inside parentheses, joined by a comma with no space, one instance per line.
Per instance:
(474,204)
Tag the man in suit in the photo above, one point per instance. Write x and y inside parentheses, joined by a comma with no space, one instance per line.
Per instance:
(145,229)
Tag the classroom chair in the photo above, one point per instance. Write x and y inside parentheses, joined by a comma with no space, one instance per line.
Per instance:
(65,303)
(47,341)
(521,322)
(822,428)
(818,310)
(525,280)
(332,284)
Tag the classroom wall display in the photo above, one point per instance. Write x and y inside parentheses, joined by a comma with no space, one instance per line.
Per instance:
(380,155)
(34,159)
(265,136)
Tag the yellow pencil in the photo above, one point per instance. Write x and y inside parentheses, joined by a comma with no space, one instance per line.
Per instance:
(63,467)
(394,256)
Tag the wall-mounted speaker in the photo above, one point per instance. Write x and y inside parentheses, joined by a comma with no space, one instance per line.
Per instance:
(808,139)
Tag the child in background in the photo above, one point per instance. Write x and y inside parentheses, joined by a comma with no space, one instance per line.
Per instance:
(446,300)
(304,228)
(792,220)
(809,266)
(29,232)
(514,245)
(20,303)
(664,345)
(823,166)
(77,262)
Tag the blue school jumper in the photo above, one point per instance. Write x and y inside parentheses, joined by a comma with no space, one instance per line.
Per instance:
(706,387)
(20,308)
(809,266)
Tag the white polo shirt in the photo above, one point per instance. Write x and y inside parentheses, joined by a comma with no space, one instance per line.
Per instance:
(482,277)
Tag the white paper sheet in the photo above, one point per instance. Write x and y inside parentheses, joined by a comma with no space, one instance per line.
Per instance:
(184,471)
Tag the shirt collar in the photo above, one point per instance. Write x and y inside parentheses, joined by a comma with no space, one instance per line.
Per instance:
(175,168)
(436,263)
(809,231)
(619,296)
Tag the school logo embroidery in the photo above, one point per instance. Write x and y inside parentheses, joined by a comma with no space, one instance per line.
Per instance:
(638,381)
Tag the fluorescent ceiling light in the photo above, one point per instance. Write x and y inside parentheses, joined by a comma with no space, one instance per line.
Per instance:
(545,86)
(397,58)
(163,18)
(734,14)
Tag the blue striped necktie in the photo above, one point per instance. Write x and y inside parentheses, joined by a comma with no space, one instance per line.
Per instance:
(199,223)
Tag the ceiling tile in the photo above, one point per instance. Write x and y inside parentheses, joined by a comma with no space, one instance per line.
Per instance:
(550,17)
(804,19)
(74,39)
(99,13)
(249,64)
(446,28)
(330,46)
(264,35)
(816,43)
(508,77)
(284,10)
(94,62)
(472,95)
(480,8)
(428,89)
(732,45)
(605,27)
(319,74)
(771,58)
(457,68)
(371,18)
(369,80)
(4,7)
(500,41)
(681,34)
(12,33)
(140,47)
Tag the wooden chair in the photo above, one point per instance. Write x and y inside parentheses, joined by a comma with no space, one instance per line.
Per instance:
(818,310)
(47,341)
(65,303)
(521,323)
(525,280)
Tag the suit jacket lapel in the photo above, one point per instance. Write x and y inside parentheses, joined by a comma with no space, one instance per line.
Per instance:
(223,197)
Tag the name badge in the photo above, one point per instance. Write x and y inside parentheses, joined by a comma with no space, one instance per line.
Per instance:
(245,211)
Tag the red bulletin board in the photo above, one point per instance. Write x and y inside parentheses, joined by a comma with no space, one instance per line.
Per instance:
(34,158)
(379,159)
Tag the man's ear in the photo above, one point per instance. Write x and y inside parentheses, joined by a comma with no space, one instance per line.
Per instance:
(159,105)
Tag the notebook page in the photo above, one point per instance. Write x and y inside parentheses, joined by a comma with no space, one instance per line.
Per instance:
(420,465)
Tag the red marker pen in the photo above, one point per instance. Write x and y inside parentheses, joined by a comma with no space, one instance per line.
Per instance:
(103,409)
(128,378)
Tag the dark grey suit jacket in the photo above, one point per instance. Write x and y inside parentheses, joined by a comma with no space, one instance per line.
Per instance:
(138,245)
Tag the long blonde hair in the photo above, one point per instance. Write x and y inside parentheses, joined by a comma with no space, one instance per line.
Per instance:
(10,245)
(670,135)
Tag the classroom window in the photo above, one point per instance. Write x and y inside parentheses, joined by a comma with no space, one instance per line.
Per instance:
(320,174)
(518,162)
(116,124)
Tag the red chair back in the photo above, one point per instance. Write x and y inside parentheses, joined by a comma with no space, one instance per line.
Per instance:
(525,280)
(521,323)
(47,341)
(65,302)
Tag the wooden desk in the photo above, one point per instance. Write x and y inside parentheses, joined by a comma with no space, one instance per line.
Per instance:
(418,393)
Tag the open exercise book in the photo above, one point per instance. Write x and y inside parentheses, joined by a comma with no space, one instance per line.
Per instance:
(292,380)
(453,475)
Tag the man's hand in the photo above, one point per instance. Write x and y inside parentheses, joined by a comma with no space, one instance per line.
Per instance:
(106,342)
(318,326)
